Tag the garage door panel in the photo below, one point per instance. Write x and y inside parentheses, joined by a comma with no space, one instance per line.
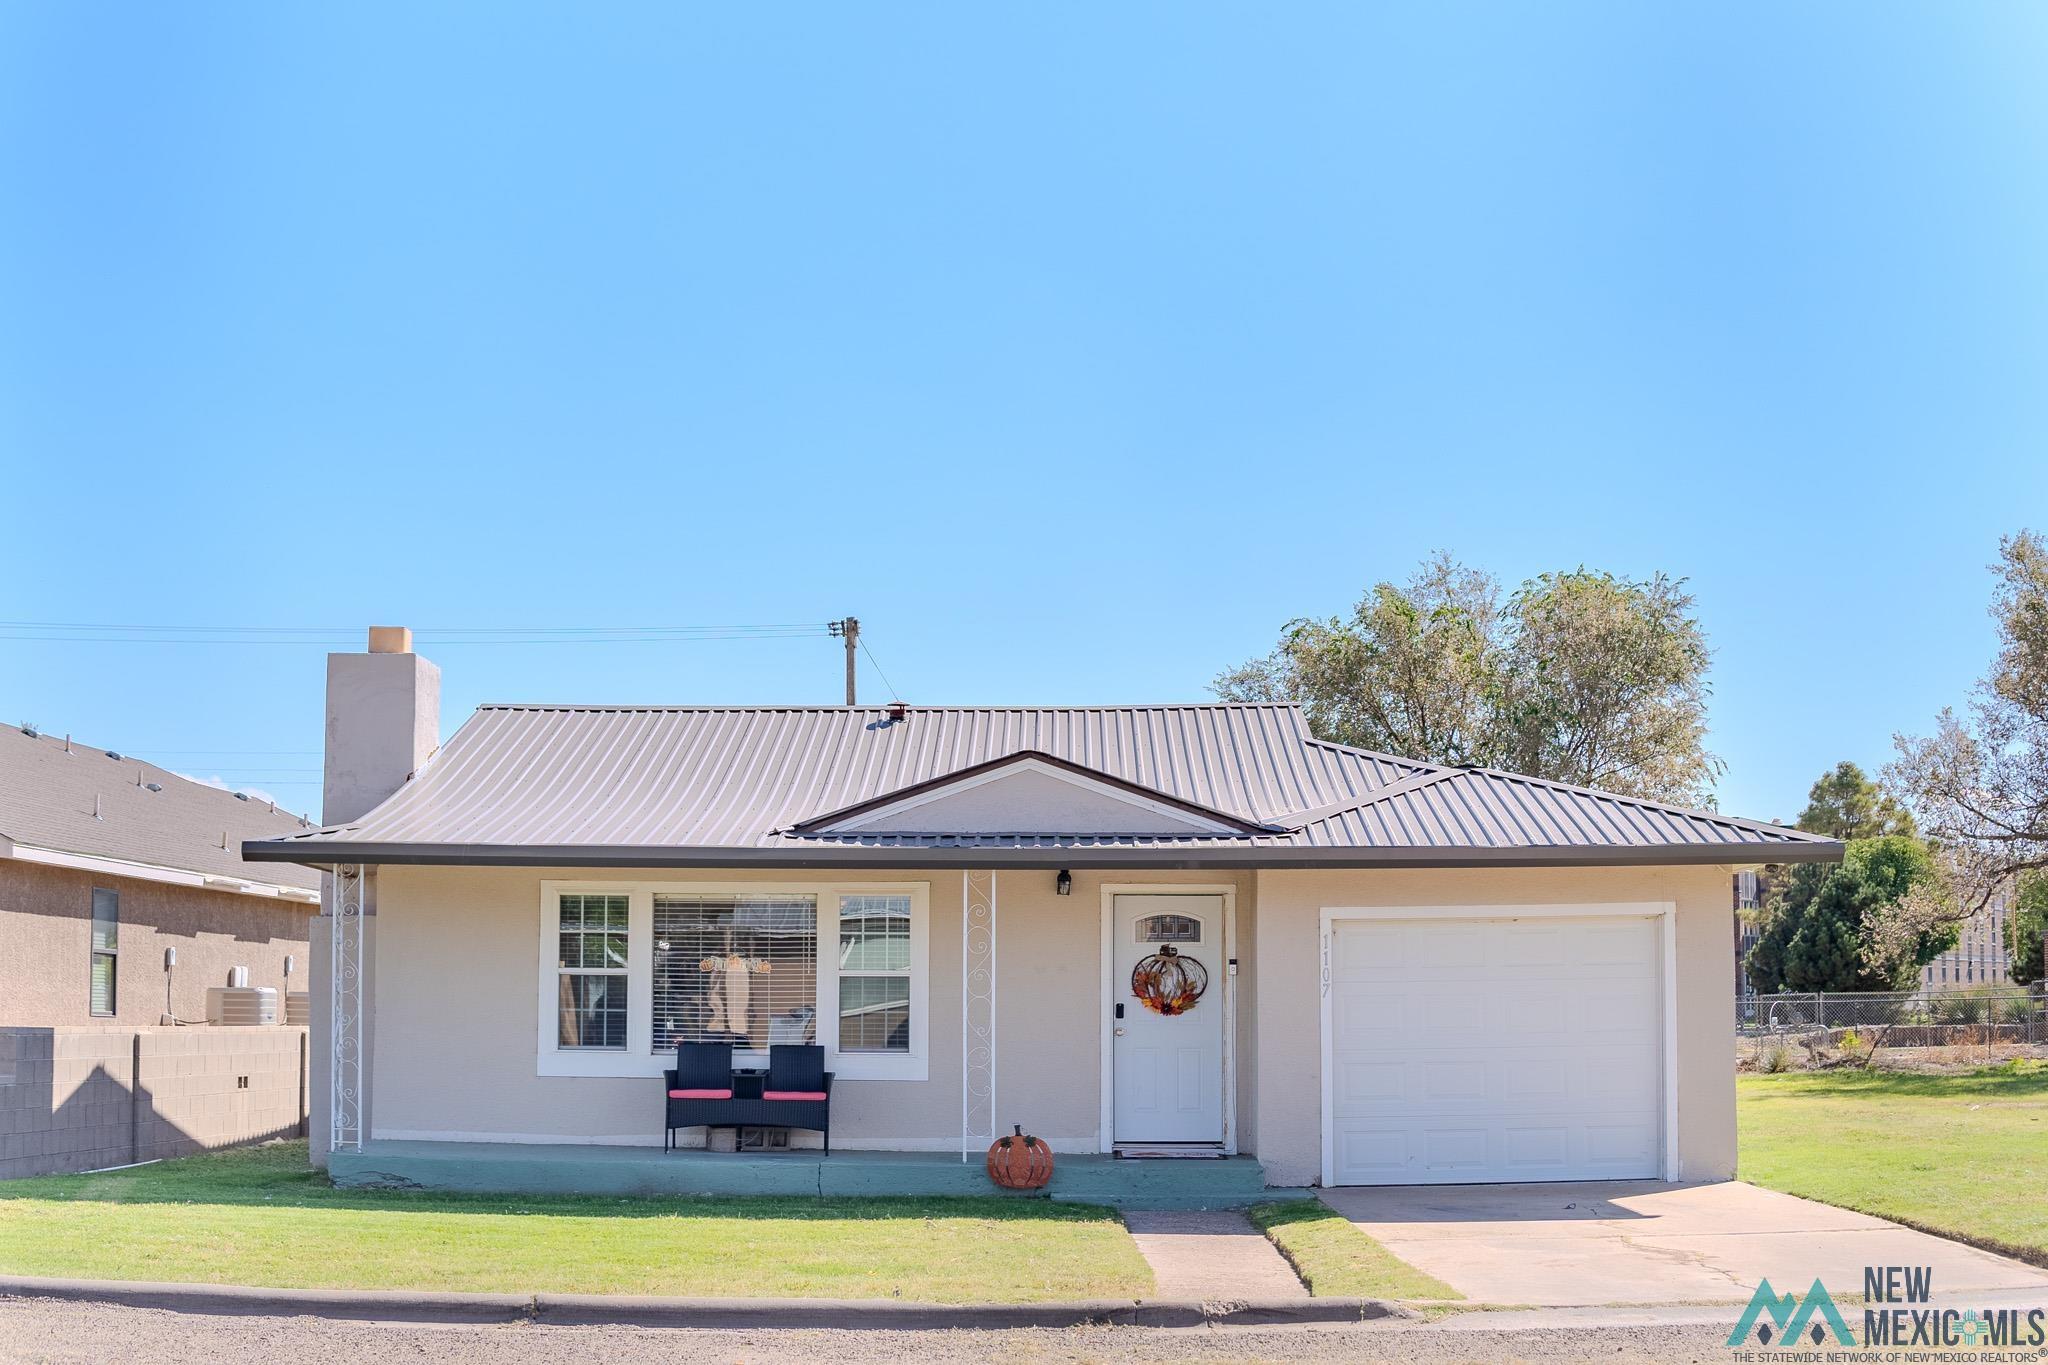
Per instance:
(1364,1020)
(1617,945)
(1381,1155)
(1528,1009)
(1454,1081)
(1367,1088)
(1445,946)
(1537,1147)
(1448,1151)
(1496,1050)
(1447,1021)
(1628,1143)
(1533,945)
(1538,1081)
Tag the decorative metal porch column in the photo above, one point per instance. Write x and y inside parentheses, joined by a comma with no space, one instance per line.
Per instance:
(977,1011)
(345,1010)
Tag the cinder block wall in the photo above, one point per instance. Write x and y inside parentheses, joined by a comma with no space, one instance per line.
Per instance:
(78,1099)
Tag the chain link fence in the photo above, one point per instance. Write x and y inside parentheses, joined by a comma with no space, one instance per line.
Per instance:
(1964,1016)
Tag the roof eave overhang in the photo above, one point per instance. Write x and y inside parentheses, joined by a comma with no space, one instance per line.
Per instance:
(830,855)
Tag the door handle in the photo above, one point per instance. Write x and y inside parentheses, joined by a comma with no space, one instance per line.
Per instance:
(1119,1033)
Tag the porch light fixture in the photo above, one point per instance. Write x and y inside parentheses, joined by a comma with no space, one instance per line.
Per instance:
(1065,884)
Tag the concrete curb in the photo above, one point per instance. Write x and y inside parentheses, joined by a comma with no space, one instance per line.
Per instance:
(397,1305)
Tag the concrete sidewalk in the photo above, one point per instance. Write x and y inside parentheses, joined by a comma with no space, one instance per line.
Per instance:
(1646,1242)
(1213,1257)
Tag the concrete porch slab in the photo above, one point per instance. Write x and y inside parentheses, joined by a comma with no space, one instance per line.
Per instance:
(568,1168)
(1645,1242)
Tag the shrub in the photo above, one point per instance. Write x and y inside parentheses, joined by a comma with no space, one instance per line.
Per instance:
(1851,1043)
(1774,1057)
(1979,1005)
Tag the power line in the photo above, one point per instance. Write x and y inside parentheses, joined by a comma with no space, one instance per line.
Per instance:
(79,632)
(812,626)
(878,668)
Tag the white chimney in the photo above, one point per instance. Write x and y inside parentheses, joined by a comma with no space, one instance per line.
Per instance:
(383,720)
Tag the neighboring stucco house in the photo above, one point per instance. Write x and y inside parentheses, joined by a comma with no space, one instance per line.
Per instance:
(124,899)
(106,862)
(1414,973)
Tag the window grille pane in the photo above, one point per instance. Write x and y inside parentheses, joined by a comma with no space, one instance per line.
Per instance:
(592,1011)
(1169,929)
(106,920)
(593,933)
(874,933)
(874,1014)
(735,969)
(103,973)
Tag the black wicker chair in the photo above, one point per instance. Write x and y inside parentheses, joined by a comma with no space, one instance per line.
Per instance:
(700,1090)
(796,1094)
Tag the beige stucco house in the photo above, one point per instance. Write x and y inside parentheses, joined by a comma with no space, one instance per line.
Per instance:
(1401,972)
(126,915)
(124,896)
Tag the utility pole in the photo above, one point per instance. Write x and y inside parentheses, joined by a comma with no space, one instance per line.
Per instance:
(848,630)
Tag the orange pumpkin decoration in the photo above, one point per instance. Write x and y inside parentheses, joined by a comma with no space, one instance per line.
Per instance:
(1021,1162)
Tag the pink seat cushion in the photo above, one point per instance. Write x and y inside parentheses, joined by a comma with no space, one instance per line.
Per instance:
(700,1094)
(792,1094)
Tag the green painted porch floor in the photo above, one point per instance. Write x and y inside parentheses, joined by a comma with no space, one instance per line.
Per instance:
(533,1168)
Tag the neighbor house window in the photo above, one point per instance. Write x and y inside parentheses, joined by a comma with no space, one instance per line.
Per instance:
(591,971)
(106,950)
(739,969)
(874,973)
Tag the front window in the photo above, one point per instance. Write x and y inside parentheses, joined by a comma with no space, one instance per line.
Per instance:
(630,969)
(591,971)
(739,969)
(874,973)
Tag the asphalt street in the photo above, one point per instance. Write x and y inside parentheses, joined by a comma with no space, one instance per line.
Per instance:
(54,1332)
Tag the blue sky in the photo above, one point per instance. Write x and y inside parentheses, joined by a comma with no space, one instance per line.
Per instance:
(1074,349)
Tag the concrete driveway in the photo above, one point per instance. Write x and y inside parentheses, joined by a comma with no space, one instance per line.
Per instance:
(1645,1242)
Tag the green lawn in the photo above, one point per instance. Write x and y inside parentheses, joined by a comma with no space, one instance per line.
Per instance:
(1960,1154)
(1336,1260)
(259,1216)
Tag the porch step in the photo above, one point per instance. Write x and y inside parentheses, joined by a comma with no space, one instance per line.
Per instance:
(524,1168)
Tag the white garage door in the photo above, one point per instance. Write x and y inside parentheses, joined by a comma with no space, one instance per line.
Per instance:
(1495,1049)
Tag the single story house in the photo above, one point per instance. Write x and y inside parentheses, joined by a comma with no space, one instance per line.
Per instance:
(1375,970)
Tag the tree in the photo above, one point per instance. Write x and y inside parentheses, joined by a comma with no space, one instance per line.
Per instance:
(2029,928)
(1580,677)
(1818,922)
(1844,804)
(1407,674)
(1980,786)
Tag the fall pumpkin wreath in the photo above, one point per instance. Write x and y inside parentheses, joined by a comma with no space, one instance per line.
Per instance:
(1168,983)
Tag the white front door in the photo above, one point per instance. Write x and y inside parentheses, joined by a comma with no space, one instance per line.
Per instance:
(1169,1068)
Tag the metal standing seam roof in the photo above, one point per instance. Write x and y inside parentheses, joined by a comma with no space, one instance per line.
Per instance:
(708,785)
(71,797)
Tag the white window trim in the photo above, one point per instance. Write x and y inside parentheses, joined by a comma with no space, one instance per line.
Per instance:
(638,1059)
